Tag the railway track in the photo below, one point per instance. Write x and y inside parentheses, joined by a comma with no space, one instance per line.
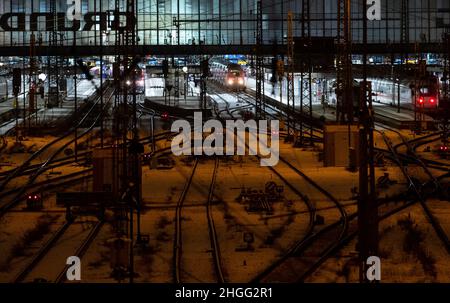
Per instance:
(317,244)
(285,112)
(307,256)
(305,239)
(55,164)
(298,266)
(180,273)
(82,249)
(418,189)
(48,146)
(320,245)
(64,180)
(413,156)
(44,262)
(17,196)
(271,110)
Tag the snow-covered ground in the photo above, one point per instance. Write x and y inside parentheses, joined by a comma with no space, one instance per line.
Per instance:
(274,233)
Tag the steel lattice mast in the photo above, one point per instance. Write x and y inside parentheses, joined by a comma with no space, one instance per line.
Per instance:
(290,67)
(306,76)
(344,106)
(259,68)
(53,62)
(367,199)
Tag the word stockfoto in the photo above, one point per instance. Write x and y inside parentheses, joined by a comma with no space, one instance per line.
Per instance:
(213,144)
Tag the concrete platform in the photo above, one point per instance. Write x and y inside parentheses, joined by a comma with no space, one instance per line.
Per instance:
(85,89)
(384,113)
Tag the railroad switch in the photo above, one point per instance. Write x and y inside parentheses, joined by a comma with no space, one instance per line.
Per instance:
(259,200)
(384,181)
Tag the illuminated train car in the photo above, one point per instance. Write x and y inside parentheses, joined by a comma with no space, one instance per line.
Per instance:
(230,75)
(139,81)
(428,93)
(235,77)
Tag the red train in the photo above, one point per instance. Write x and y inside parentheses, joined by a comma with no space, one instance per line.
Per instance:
(428,93)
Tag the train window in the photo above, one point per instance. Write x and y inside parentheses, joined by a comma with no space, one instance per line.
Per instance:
(427,91)
(424,90)
(235,73)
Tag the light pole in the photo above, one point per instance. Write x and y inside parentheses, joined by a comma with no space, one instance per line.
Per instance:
(398,95)
(185,71)
(76,109)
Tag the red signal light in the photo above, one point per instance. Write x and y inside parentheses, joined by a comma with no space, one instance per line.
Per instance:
(165,116)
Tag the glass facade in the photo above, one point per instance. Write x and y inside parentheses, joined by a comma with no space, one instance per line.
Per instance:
(225,22)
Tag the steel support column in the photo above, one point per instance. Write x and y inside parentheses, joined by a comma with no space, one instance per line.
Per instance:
(53,62)
(367,202)
(344,106)
(306,132)
(290,70)
(259,68)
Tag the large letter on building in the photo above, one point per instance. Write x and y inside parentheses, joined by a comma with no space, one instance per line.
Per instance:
(9,27)
(374,11)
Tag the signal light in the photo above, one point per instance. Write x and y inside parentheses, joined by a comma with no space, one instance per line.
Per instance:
(165,116)
(33,197)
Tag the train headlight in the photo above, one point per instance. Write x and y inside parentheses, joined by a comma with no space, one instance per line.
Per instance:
(241,81)
(421,100)
(230,81)
(42,77)
(432,100)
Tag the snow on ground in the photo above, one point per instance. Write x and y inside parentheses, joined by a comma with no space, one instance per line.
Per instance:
(274,233)
(15,252)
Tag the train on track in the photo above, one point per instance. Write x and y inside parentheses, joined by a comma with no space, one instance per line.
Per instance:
(231,75)
(137,76)
(386,91)
(139,79)
(428,93)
